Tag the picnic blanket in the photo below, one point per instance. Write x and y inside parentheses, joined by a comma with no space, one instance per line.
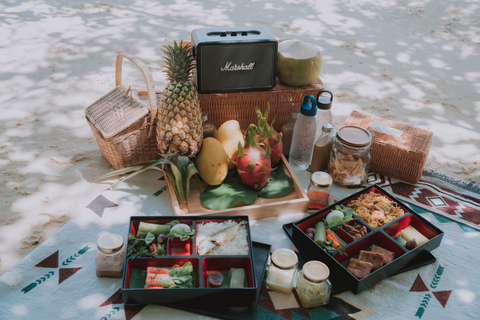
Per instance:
(58,279)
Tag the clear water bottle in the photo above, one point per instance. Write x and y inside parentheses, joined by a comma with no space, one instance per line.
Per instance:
(324,112)
(303,137)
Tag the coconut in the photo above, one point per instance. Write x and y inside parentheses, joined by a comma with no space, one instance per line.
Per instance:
(299,63)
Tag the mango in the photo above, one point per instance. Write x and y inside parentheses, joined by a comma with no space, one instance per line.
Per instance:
(212,162)
(230,134)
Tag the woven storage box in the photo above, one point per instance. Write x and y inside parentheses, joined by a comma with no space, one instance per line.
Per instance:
(221,107)
(123,123)
(398,157)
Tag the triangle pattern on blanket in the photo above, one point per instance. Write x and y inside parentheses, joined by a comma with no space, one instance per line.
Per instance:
(49,262)
(418,285)
(442,296)
(130,311)
(65,273)
(99,204)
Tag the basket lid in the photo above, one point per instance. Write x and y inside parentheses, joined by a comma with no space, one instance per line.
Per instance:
(115,112)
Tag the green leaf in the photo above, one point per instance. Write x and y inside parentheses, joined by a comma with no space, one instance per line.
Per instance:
(228,195)
(279,184)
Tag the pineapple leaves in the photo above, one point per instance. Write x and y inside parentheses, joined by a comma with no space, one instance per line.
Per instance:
(179,169)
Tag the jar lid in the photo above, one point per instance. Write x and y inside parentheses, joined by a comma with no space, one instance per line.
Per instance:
(324,102)
(315,271)
(284,258)
(110,243)
(321,179)
(354,136)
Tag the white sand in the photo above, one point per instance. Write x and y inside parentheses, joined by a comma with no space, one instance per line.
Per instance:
(414,62)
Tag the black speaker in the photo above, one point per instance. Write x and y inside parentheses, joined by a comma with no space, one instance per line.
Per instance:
(234,59)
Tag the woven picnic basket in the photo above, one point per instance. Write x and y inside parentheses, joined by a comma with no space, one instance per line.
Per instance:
(124,124)
(240,106)
(400,157)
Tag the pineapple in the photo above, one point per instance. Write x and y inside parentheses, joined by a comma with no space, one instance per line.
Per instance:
(179,123)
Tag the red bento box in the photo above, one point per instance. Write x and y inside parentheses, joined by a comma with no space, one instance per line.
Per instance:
(180,252)
(382,236)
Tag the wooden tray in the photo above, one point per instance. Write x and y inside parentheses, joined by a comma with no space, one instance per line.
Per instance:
(294,202)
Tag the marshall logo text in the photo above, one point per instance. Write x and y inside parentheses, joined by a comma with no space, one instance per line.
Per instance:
(236,67)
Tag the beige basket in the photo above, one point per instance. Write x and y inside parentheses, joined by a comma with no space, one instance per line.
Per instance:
(398,157)
(123,124)
(240,106)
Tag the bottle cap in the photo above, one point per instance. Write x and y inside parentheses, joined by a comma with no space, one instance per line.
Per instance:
(315,271)
(321,179)
(309,108)
(327,127)
(284,258)
(294,114)
(324,102)
(204,116)
(110,243)
(354,136)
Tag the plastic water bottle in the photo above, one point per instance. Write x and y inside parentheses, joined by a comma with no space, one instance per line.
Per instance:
(324,113)
(303,136)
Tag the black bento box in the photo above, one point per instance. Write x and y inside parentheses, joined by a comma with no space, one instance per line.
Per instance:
(382,236)
(178,253)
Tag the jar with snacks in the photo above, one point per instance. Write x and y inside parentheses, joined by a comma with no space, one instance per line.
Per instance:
(209,129)
(282,271)
(303,137)
(287,131)
(318,191)
(322,148)
(110,257)
(313,287)
(350,158)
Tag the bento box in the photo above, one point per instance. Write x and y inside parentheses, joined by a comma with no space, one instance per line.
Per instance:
(381,237)
(203,260)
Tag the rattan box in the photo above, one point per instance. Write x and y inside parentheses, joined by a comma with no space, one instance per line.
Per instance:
(400,157)
(221,107)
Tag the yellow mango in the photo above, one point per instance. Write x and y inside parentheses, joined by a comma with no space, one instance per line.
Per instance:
(230,134)
(212,162)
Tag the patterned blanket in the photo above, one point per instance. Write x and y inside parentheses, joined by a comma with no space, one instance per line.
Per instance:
(58,279)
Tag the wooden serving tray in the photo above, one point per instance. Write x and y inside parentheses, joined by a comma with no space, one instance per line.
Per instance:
(294,202)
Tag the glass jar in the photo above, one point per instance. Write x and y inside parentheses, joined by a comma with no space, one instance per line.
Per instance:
(313,287)
(322,148)
(287,132)
(110,257)
(319,188)
(350,158)
(209,129)
(282,271)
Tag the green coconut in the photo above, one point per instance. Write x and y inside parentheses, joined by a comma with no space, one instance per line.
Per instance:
(299,63)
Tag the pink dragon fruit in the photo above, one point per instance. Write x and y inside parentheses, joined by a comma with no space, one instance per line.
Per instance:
(253,162)
(269,136)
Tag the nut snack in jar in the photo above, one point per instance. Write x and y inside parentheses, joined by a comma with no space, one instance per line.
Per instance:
(313,287)
(350,158)
(282,271)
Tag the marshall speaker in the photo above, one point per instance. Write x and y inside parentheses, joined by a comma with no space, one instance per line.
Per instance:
(234,59)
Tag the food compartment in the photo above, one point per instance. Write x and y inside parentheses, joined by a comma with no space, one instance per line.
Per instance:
(178,247)
(375,207)
(227,273)
(153,237)
(222,237)
(356,229)
(414,233)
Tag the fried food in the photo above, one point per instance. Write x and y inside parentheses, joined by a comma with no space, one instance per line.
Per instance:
(388,255)
(360,269)
(375,209)
(376,259)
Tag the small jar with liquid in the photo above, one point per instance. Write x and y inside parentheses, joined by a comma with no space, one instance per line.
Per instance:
(319,189)
(282,271)
(110,257)
(287,132)
(313,287)
(209,129)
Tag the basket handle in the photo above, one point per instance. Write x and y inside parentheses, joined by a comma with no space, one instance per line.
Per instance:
(149,81)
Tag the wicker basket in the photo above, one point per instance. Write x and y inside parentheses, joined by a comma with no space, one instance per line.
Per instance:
(398,157)
(240,106)
(124,124)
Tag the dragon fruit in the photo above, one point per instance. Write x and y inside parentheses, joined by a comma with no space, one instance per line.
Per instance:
(267,135)
(253,161)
